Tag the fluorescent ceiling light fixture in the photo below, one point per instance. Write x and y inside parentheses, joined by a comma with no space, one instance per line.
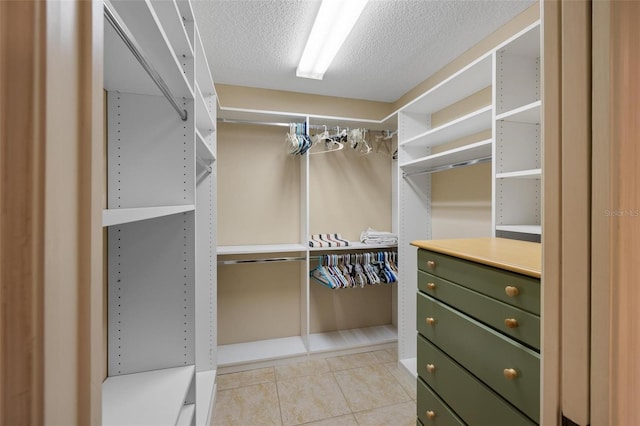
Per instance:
(334,22)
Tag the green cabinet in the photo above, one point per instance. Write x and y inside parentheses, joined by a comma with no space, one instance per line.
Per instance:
(478,342)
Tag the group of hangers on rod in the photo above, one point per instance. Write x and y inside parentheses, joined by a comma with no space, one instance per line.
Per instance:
(300,142)
(356,269)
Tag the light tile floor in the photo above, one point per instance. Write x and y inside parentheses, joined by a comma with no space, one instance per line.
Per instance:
(365,389)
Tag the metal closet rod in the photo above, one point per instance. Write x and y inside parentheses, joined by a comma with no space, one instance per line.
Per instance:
(272,259)
(271,123)
(129,40)
(448,167)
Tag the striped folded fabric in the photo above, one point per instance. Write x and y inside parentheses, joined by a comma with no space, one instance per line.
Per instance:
(327,240)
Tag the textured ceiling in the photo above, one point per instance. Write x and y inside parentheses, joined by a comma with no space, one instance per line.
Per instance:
(395,44)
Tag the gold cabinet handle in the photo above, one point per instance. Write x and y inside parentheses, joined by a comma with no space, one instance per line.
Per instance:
(511,291)
(431,368)
(511,322)
(431,320)
(431,286)
(510,373)
(431,264)
(431,414)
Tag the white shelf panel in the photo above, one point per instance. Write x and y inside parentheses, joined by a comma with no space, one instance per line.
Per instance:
(524,44)
(260,350)
(169,16)
(354,245)
(186,415)
(454,156)
(353,338)
(112,217)
(410,365)
(470,79)
(205,123)
(521,174)
(525,114)
(266,248)
(525,229)
(151,398)
(205,394)
(202,149)
(469,124)
(122,72)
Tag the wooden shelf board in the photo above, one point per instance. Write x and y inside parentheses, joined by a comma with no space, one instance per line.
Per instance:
(202,149)
(525,114)
(204,121)
(203,71)
(354,245)
(149,398)
(186,415)
(462,154)
(521,174)
(353,338)
(112,217)
(261,350)
(169,16)
(469,124)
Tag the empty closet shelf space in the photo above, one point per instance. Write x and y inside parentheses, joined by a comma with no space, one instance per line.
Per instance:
(356,270)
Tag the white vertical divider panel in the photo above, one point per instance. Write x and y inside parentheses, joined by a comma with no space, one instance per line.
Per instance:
(494,153)
(151,294)
(395,190)
(305,318)
(150,152)
(414,197)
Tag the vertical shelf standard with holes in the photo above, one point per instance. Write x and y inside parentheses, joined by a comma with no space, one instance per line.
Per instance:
(160,219)
(517,151)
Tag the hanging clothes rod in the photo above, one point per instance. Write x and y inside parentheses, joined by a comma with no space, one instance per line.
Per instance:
(129,40)
(269,260)
(448,167)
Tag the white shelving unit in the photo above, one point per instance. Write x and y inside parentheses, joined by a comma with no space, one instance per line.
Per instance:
(415,165)
(160,219)
(249,354)
(517,169)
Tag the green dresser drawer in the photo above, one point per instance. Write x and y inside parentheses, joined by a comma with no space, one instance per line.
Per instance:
(511,369)
(432,411)
(472,400)
(514,322)
(523,291)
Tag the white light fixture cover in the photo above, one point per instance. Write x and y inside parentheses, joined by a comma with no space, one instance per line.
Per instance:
(334,22)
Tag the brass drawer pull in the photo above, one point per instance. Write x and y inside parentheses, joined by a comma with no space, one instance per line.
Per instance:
(431,264)
(510,373)
(511,322)
(431,286)
(431,414)
(431,320)
(511,291)
(431,368)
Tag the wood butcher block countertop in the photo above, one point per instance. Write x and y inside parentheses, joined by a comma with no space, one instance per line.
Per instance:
(522,257)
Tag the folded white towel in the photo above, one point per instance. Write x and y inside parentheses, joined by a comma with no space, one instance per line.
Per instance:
(371,236)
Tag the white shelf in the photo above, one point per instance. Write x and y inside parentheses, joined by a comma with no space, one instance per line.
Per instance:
(410,365)
(524,229)
(186,415)
(112,217)
(202,149)
(256,249)
(151,398)
(454,156)
(169,16)
(469,124)
(205,394)
(525,114)
(204,120)
(521,174)
(353,338)
(466,82)
(354,245)
(123,73)
(260,350)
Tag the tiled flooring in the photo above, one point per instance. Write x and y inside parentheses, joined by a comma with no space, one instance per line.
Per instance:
(351,390)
